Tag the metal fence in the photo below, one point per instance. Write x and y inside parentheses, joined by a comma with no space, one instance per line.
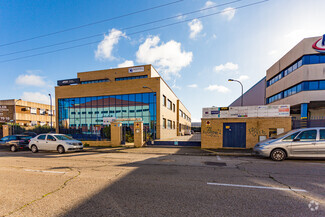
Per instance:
(296,124)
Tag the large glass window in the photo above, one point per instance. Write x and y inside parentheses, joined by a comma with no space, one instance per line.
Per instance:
(305,60)
(83,117)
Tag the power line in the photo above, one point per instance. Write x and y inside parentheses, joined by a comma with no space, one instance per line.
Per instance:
(146,30)
(130,27)
(90,24)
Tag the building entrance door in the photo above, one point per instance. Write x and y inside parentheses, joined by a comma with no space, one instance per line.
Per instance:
(234,135)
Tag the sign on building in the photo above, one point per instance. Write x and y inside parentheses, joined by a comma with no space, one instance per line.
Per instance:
(108,120)
(247,111)
(6,113)
(136,69)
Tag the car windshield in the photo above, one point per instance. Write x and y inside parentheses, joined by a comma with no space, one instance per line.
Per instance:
(63,137)
(283,134)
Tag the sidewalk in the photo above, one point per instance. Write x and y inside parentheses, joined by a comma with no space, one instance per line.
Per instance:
(170,150)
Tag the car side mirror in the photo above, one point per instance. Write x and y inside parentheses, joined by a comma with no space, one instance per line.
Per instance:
(296,140)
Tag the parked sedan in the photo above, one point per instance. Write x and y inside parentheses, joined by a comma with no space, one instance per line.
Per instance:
(307,143)
(16,142)
(54,142)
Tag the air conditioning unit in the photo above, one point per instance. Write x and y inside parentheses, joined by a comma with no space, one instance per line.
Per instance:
(25,109)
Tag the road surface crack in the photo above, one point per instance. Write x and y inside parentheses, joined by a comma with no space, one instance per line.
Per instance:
(45,195)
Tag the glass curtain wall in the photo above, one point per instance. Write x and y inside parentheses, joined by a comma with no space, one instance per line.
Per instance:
(82,117)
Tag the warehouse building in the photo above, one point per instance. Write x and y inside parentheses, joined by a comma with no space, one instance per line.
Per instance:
(298,79)
(87,103)
(26,114)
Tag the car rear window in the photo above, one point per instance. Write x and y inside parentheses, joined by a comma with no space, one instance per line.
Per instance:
(24,137)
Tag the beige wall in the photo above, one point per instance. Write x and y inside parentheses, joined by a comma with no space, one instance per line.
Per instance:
(185,124)
(24,116)
(111,74)
(301,97)
(302,48)
(304,73)
(212,135)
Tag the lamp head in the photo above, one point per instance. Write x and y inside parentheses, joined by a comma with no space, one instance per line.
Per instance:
(230,79)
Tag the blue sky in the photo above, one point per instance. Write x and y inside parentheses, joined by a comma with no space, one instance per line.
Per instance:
(195,57)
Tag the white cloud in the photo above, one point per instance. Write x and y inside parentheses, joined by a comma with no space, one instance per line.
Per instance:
(105,47)
(180,17)
(243,78)
(167,57)
(218,88)
(37,97)
(209,4)
(195,28)
(126,63)
(229,66)
(31,80)
(192,86)
(229,13)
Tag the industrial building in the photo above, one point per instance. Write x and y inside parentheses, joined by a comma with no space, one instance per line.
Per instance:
(85,104)
(26,114)
(296,79)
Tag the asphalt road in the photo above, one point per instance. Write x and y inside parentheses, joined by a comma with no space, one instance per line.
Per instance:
(158,182)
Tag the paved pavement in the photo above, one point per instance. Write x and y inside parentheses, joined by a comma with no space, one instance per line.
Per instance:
(158,182)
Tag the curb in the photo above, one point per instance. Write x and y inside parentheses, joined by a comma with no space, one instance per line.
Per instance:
(229,153)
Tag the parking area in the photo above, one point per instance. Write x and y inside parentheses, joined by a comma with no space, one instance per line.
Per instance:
(158,181)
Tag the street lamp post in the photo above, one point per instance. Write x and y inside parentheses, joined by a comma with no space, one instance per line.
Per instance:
(154,125)
(15,119)
(51,109)
(242,91)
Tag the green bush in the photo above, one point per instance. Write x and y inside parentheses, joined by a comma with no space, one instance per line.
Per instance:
(42,129)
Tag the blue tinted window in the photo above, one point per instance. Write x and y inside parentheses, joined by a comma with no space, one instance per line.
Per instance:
(314,59)
(285,94)
(289,69)
(313,85)
(293,90)
(322,59)
(295,66)
(300,63)
(299,88)
(305,60)
(322,85)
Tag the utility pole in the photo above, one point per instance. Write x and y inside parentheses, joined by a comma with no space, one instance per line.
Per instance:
(51,110)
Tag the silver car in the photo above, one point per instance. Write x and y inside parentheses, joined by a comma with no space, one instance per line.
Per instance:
(54,142)
(307,142)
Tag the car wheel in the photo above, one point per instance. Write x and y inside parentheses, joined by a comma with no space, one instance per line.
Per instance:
(34,149)
(278,155)
(61,149)
(13,148)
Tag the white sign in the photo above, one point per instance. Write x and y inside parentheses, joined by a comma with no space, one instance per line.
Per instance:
(136,69)
(247,111)
(108,120)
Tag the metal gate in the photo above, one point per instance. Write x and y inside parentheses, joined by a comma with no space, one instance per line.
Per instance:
(234,135)
(127,134)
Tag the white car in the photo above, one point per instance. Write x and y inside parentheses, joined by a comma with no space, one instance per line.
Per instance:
(54,142)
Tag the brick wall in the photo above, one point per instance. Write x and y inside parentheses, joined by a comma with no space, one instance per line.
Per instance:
(212,133)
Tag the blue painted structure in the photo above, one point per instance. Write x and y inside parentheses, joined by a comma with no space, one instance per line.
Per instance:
(234,135)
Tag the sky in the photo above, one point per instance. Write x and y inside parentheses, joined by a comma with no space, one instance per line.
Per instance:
(195,53)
